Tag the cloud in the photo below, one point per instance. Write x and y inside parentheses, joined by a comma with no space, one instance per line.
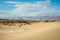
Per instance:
(11,2)
(32,9)
(3,12)
(23,8)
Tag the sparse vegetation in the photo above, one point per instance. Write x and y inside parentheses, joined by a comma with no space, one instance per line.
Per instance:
(21,22)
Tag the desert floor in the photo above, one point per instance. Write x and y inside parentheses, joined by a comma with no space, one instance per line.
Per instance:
(35,31)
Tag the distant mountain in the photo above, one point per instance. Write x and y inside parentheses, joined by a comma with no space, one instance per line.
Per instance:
(39,17)
(45,17)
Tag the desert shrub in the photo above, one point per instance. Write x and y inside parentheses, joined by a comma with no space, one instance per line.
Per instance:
(46,21)
(29,23)
(20,25)
(14,24)
(24,24)
(10,24)
(5,23)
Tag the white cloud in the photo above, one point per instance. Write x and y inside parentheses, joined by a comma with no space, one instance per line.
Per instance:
(23,8)
(31,9)
(3,11)
(12,2)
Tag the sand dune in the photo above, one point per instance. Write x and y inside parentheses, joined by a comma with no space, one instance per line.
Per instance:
(36,31)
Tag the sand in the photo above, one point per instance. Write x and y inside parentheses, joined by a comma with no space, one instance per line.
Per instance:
(35,31)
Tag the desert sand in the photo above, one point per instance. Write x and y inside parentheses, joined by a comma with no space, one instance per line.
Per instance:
(35,31)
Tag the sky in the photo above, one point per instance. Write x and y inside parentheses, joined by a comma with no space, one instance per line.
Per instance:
(29,8)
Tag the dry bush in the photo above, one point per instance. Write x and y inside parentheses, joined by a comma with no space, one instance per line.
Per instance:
(14,24)
(10,24)
(5,23)
(20,25)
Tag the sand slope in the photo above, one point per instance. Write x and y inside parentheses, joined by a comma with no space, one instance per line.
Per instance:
(36,31)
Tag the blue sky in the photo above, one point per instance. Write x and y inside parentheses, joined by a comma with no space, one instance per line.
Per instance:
(16,8)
